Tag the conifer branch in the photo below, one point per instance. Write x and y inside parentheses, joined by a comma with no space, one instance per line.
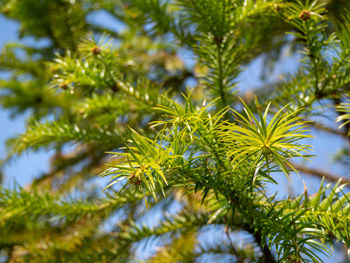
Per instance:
(320,173)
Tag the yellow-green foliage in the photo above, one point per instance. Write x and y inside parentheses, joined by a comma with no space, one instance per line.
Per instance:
(188,156)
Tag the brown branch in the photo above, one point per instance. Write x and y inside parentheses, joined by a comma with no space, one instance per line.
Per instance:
(324,128)
(320,173)
(267,254)
(238,257)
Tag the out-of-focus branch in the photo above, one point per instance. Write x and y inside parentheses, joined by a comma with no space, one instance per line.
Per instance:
(320,173)
(322,127)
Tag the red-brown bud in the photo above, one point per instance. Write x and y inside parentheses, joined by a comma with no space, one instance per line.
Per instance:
(96,50)
(305,15)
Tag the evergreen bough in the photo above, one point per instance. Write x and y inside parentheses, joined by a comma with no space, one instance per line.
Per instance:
(181,161)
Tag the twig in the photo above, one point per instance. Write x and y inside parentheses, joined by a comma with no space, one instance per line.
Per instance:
(320,173)
(322,127)
(239,259)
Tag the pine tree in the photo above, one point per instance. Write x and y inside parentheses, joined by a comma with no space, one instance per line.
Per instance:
(188,166)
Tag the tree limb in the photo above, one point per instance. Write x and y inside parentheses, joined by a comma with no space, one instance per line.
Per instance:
(320,173)
(324,128)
